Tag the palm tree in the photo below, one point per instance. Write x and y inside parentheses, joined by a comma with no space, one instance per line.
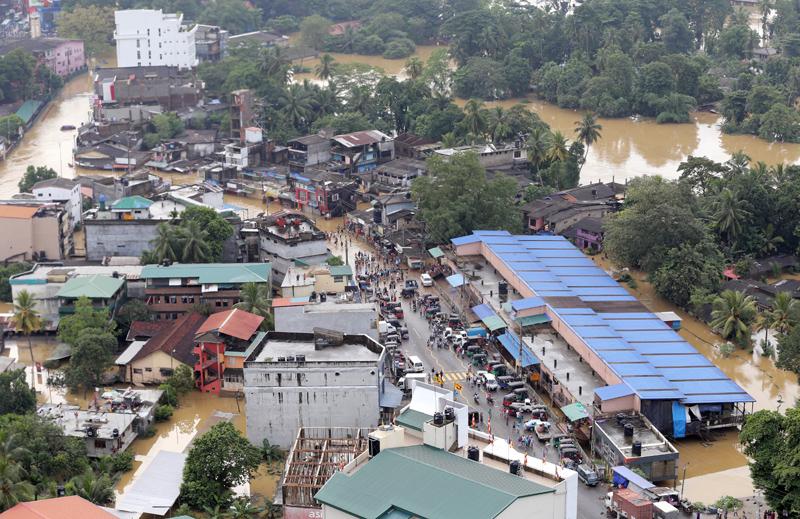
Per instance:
(414,68)
(783,316)
(296,105)
(588,131)
(195,243)
(449,140)
(729,215)
(475,117)
(96,489)
(324,70)
(326,100)
(242,508)
(26,319)
(537,145)
(771,240)
(214,512)
(13,487)
(271,510)
(164,244)
(738,163)
(557,149)
(765,6)
(274,63)
(732,315)
(498,126)
(255,298)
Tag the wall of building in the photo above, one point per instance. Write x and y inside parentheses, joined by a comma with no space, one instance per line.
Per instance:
(46,236)
(544,504)
(59,194)
(16,238)
(118,238)
(137,371)
(134,113)
(67,58)
(562,225)
(615,405)
(45,296)
(150,37)
(281,398)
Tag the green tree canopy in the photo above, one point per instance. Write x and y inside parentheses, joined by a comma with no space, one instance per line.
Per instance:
(33,175)
(93,24)
(456,198)
(92,355)
(15,394)
(688,268)
(218,460)
(85,317)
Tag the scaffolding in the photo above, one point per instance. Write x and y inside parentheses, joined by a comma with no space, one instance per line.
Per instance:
(318,453)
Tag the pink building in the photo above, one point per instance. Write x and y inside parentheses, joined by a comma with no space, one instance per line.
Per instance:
(63,57)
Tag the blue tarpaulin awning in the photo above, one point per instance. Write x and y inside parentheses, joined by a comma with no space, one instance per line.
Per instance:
(477,331)
(487,316)
(624,475)
(456,280)
(512,345)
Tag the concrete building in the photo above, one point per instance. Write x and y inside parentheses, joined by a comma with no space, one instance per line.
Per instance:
(34,231)
(104,292)
(154,360)
(630,439)
(241,113)
(112,426)
(344,317)
(308,150)
(172,290)
(148,37)
(288,238)
(560,211)
(46,280)
(324,379)
(490,155)
(64,191)
(222,343)
(324,192)
(320,279)
(211,43)
(361,151)
(122,92)
(432,464)
(61,56)
(399,173)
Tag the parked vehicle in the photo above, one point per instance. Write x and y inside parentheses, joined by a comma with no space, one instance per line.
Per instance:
(588,476)
(490,382)
(568,452)
(473,349)
(629,503)
(498,369)
(405,383)
(411,283)
(479,359)
(407,293)
(426,279)
(522,407)
(516,385)
(664,510)
(503,380)
(414,365)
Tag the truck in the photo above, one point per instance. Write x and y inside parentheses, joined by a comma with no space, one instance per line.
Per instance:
(664,510)
(406,382)
(628,503)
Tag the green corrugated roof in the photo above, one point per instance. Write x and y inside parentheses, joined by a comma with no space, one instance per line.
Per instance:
(494,323)
(412,419)
(28,108)
(340,270)
(129,203)
(425,482)
(436,252)
(532,320)
(209,273)
(575,412)
(93,287)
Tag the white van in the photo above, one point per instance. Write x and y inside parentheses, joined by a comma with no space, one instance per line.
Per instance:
(426,279)
(414,365)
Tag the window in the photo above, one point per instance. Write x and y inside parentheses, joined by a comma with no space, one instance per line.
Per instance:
(137,371)
(148,370)
(138,54)
(173,299)
(99,443)
(138,43)
(166,372)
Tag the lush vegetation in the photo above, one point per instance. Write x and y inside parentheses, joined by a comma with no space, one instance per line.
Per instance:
(5,273)
(771,440)
(21,78)
(34,174)
(93,23)
(199,237)
(162,127)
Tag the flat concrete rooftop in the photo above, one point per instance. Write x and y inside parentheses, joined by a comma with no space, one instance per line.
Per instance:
(653,443)
(560,360)
(347,352)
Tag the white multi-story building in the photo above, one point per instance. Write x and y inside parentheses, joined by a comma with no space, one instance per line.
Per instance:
(150,37)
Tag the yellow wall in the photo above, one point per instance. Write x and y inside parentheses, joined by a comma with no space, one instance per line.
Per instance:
(323,282)
(22,242)
(155,361)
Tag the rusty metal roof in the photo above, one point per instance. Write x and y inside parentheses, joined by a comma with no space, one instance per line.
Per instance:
(236,323)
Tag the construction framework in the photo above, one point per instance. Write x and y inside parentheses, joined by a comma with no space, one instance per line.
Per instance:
(318,453)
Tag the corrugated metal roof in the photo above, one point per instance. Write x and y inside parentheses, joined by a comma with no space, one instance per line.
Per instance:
(638,346)
(614,391)
(412,419)
(426,482)
(211,273)
(235,323)
(130,203)
(69,507)
(93,287)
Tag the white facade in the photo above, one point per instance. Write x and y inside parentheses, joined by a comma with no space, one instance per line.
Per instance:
(150,37)
(70,196)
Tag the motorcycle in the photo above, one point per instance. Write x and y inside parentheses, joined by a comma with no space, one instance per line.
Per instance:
(476,398)
(489,400)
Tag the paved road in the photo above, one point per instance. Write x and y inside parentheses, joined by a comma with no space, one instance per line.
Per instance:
(590,500)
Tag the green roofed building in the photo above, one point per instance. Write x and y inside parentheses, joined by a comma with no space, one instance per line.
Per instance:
(103,291)
(429,483)
(174,289)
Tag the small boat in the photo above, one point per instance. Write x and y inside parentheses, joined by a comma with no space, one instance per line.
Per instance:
(67,127)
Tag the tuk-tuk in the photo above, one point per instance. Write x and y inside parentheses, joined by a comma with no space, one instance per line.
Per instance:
(521,393)
(472,349)
(478,359)
(516,385)
(540,412)
(408,293)
(454,321)
(504,380)
(509,399)
(558,438)
(497,369)
(431,312)
(570,453)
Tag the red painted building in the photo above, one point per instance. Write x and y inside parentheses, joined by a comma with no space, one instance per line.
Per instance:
(221,345)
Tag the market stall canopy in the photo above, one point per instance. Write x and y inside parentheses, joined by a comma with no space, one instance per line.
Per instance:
(512,345)
(575,412)
(436,252)
(456,280)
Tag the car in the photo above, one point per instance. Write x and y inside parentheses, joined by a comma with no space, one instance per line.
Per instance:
(412,284)
(489,380)
(587,475)
(426,279)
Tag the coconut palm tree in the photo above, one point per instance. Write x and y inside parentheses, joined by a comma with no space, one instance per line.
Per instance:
(13,487)
(557,149)
(271,510)
(732,315)
(165,243)
(326,100)
(98,489)
(242,508)
(296,105)
(255,298)
(537,144)
(738,163)
(26,319)
(449,140)
(588,131)
(784,314)
(324,69)
(270,452)
(195,243)
(498,125)
(771,240)
(274,63)
(729,215)
(764,7)
(475,117)
(414,68)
